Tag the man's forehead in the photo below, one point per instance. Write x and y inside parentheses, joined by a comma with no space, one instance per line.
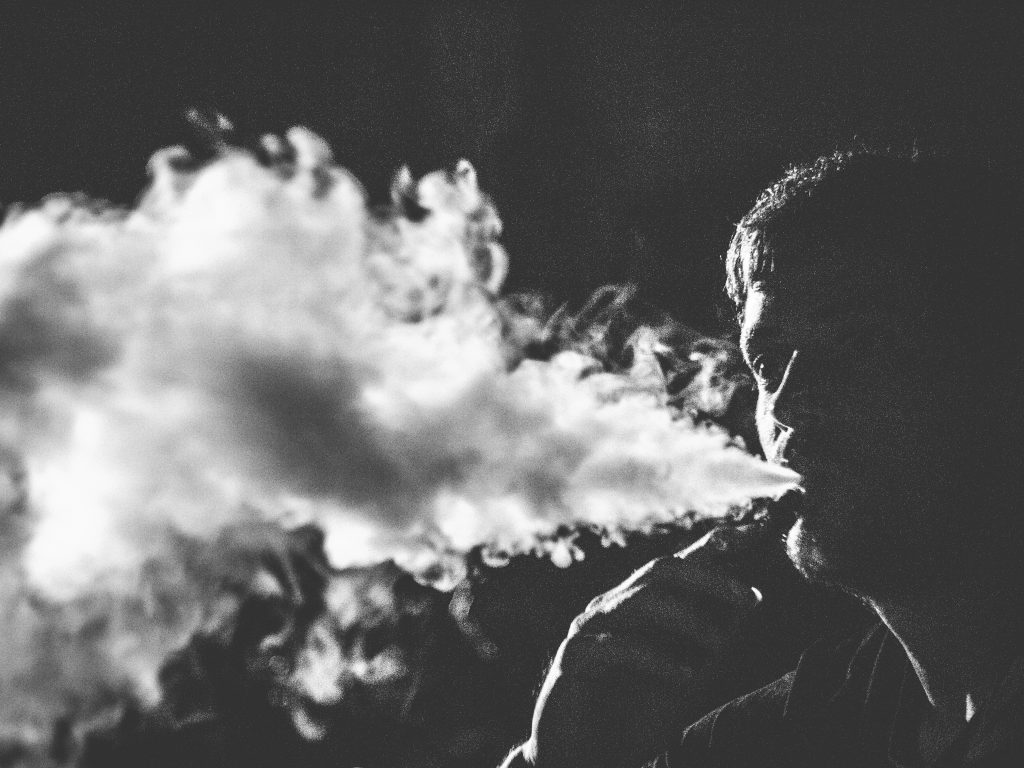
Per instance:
(778,307)
(812,271)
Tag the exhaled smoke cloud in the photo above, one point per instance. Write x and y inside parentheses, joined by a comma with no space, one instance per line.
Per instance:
(251,344)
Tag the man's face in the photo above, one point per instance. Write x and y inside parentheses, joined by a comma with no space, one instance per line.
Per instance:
(852,395)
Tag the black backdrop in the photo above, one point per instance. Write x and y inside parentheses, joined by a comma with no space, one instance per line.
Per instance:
(620,140)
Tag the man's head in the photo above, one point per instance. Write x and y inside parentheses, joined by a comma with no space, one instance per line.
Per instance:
(876,301)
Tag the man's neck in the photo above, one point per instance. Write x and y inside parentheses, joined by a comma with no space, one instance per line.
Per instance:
(960,642)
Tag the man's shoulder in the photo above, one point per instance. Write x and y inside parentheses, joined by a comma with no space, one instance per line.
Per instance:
(780,723)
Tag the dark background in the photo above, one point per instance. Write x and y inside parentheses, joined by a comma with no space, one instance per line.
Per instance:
(620,140)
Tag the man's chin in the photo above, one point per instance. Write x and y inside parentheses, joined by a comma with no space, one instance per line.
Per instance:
(855,565)
(813,558)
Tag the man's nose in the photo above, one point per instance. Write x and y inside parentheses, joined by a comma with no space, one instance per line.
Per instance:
(795,403)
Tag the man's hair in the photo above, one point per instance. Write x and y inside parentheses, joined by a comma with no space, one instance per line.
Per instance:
(956,225)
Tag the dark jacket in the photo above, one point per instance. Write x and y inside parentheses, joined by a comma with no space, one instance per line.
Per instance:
(848,705)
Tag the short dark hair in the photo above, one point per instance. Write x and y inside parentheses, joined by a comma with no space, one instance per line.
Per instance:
(957,223)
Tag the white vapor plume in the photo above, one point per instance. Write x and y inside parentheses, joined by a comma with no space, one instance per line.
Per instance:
(252,344)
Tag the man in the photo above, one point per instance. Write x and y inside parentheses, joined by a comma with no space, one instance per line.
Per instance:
(876,297)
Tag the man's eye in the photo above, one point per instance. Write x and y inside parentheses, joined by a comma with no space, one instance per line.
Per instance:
(769,367)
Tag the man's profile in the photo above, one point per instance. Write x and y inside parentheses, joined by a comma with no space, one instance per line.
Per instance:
(876,300)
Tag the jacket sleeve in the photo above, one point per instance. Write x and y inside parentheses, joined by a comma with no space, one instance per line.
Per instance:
(744,732)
